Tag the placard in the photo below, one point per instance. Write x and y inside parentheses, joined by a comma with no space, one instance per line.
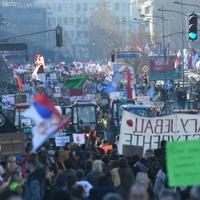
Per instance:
(183,163)
(62,140)
(78,138)
(8,102)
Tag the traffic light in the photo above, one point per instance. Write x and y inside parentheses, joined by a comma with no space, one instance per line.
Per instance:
(192,33)
(113,56)
(145,79)
(59,36)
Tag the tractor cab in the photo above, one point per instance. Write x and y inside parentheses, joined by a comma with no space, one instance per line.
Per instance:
(22,123)
(141,110)
(83,115)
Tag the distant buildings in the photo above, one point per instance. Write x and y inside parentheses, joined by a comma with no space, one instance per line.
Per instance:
(172,21)
(22,17)
(74,17)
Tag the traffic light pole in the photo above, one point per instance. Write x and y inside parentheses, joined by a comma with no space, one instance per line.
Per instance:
(164,46)
(27,34)
(182,45)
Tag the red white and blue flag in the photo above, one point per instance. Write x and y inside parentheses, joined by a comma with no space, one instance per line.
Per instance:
(193,58)
(47,120)
(177,63)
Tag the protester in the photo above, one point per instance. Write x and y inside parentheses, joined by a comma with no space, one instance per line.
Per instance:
(126,177)
(169,195)
(161,179)
(138,192)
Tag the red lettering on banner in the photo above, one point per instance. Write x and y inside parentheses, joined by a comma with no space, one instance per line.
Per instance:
(148,126)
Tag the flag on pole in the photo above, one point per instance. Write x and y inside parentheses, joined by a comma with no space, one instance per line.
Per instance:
(47,120)
(129,82)
(39,71)
(76,82)
(20,83)
(177,63)
(193,58)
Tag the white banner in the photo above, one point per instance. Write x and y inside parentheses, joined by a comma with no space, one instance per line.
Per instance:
(62,140)
(149,132)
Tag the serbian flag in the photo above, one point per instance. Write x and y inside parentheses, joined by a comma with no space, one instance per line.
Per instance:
(47,120)
(193,58)
(20,83)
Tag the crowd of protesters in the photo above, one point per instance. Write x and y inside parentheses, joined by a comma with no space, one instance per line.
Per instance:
(87,172)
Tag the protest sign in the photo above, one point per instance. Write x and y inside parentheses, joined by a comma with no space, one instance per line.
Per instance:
(183,163)
(78,138)
(149,132)
(143,99)
(129,150)
(62,140)
(8,101)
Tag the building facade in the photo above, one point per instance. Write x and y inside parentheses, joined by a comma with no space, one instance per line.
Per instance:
(74,17)
(173,21)
(22,17)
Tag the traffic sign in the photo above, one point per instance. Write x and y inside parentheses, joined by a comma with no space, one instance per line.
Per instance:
(145,69)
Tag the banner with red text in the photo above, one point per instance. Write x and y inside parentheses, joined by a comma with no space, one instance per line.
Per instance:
(149,132)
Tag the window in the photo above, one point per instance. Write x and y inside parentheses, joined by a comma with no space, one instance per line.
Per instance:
(49,22)
(147,10)
(59,21)
(123,6)
(53,21)
(85,6)
(78,21)
(78,7)
(65,21)
(59,7)
(85,20)
(85,34)
(71,20)
(78,34)
(117,6)
(66,34)
(72,34)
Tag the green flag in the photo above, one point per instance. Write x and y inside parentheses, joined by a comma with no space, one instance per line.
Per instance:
(76,82)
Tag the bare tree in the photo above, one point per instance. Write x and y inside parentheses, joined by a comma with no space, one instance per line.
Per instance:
(105,35)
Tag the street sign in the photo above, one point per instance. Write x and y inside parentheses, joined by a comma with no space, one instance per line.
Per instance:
(145,69)
(127,55)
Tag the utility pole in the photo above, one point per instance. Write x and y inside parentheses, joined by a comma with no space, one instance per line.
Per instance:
(164,45)
(182,45)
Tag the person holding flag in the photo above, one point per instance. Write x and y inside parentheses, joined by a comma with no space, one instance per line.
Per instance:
(47,119)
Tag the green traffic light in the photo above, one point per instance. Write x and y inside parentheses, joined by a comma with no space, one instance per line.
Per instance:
(192,36)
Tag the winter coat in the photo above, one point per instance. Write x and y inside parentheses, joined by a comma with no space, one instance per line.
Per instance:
(160,182)
(34,188)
